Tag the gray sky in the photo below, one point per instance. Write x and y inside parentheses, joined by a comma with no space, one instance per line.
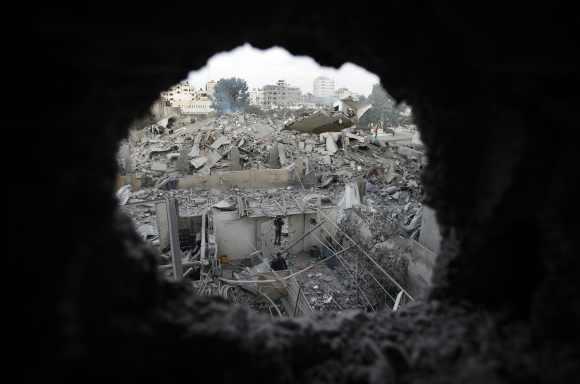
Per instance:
(261,67)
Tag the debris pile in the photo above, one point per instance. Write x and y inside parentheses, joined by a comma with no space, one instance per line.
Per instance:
(376,179)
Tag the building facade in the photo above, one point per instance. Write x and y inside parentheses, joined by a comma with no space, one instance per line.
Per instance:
(257,97)
(179,95)
(323,87)
(342,93)
(184,98)
(280,95)
(210,87)
(200,104)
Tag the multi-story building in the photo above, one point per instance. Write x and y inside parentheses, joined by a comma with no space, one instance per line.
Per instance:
(184,98)
(210,87)
(281,95)
(257,97)
(179,95)
(200,104)
(324,87)
(342,93)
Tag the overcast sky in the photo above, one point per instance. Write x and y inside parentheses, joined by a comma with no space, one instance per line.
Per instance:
(261,67)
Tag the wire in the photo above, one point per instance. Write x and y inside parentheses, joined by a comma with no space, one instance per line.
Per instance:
(286,277)
(370,258)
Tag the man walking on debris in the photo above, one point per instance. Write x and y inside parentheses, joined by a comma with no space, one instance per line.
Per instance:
(278,223)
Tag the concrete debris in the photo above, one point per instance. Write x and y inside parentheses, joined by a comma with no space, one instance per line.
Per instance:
(235,159)
(330,141)
(222,140)
(147,231)
(158,166)
(351,196)
(370,181)
(198,162)
(224,205)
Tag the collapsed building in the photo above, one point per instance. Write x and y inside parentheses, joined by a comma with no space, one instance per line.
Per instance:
(496,109)
(219,183)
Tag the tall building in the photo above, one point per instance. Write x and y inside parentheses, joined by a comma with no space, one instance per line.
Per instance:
(210,87)
(281,95)
(257,96)
(323,87)
(179,95)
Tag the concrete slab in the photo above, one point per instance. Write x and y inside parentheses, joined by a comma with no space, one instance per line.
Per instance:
(158,166)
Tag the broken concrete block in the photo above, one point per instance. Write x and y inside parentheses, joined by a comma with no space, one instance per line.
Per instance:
(409,153)
(146,231)
(182,163)
(356,137)
(172,156)
(158,166)
(235,159)
(274,157)
(282,154)
(194,151)
(198,162)
(331,146)
(222,140)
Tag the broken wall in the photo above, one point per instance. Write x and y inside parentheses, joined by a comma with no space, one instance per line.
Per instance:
(253,178)
(235,236)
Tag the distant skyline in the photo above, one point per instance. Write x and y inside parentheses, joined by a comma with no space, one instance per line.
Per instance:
(262,67)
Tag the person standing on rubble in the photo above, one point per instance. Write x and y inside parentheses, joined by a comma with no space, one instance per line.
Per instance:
(278,223)
(278,264)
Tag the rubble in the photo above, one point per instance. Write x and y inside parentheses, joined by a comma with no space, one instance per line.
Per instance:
(348,170)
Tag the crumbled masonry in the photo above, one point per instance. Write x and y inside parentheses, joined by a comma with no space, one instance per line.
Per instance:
(494,94)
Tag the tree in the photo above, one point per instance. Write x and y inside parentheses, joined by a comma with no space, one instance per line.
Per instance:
(231,95)
(384,109)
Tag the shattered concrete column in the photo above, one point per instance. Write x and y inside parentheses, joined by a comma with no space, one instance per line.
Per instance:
(235,159)
(299,169)
(173,224)
(162,225)
(183,160)
(361,187)
(274,157)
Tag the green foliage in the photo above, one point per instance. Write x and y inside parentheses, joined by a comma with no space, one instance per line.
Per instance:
(231,95)
(384,109)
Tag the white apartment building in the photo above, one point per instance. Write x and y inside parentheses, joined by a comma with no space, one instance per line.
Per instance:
(323,87)
(257,97)
(210,87)
(200,104)
(342,93)
(179,95)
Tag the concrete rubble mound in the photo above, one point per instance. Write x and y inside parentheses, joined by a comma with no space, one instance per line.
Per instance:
(234,174)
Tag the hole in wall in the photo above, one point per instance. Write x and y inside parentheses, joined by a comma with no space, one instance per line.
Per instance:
(277,183)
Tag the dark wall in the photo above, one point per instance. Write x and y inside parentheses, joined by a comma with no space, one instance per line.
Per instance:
(494,92)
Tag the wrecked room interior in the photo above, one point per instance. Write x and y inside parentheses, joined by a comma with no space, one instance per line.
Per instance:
(296,199)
